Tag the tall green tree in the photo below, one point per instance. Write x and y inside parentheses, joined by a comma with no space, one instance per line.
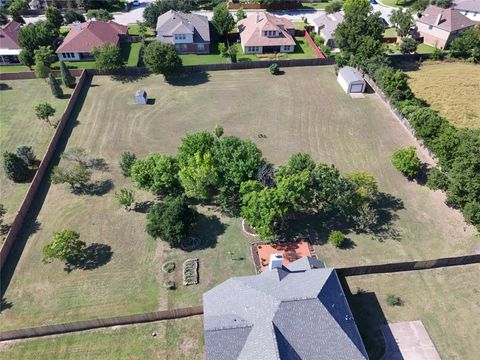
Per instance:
(42,71)
(171,220)
(27,58)
(159,7)
(55,86)
(222,20)
(402,20)
(199,142)
(108,57)
(66,246)
(54,17)
(72,16)
(467,45)
(99,14)
(45,54)
(15,168)
(157,173)
(199,176)
(126,162)
(76,175)
(32,36)
(67,78)
(162,59)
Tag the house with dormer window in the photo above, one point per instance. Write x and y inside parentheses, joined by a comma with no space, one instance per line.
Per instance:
(189,33)
(262,33)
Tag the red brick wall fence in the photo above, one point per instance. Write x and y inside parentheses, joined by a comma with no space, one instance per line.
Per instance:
(100,323)
(31,75)
(316,50)
(40,174)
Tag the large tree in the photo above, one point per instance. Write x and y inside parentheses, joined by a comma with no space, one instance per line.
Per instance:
(54,17)
(157,173)
(199,142)
(108,57)
(467,45)
(171,220)
(67,78)
(32,36)
(55,86)
(76,175)
(45,54)
(401,20)
(99,14)
(159,7)
(66,246)
(222,20)
(162,59)
(27,154)
(199,176)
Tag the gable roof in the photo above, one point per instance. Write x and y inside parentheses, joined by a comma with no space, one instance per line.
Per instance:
(176,22)
(83,37)
(251,30)
(9,35)
(446,19)
(328,23)
(281,314)
(350,75)
(467,5)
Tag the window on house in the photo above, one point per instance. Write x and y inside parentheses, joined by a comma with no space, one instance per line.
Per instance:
(200,47)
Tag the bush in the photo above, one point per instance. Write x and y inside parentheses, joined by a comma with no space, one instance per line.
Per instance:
(26,154)
(406,161)
(169,285)
(67,78)
(55,87)
(437,180)
(274,69)
(393,300)
(168,267)
(71,16)
(336,238)
(408,46)
(16,169)
(222,48)
(126,163)
(437,54)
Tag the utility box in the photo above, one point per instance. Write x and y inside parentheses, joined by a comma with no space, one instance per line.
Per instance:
(141,97)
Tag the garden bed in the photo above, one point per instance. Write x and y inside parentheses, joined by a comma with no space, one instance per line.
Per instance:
(190,272)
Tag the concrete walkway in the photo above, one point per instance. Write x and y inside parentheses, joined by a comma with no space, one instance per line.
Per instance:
(408,341)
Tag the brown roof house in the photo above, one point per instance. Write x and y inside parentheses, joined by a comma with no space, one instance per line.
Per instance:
(439,27)
(84,37)
(9,46)
(264,33)
(190,33)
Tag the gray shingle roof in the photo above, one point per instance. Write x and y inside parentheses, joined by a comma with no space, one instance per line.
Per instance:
(176,22)
(328,24)
(281,314)
(349,74)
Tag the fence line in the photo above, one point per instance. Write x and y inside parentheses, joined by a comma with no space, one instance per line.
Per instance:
(318,53)
(23,75)
(409,265)
(100,323)
(403,120)
(40,174)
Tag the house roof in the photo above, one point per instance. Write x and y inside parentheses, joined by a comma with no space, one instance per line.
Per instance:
(83,37)
(9,35)
(349,74)
(467,5)
(251,30)
(446,19)
(328,23)
(299,312)
(176,22)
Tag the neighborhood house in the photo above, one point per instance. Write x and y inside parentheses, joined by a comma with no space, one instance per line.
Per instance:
(9,46)
(264,33)
(325,26)
(84,37)
(469,8)
(438,26)
(298,311)
(189,33)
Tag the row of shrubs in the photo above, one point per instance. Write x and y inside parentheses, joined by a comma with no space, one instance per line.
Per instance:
(457,150)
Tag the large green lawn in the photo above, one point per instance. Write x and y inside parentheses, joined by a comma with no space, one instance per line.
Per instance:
(302,51)
(214,57)
(303,110)
(19,126)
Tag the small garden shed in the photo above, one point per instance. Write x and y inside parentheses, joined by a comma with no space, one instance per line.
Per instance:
(141,97)
(350,80)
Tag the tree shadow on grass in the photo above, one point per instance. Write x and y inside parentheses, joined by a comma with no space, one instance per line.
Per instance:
(386,205)
(208,229)
(4,304)
(422,176)
(188,79)
(97,164)
(96,255)
(97,188)
(130,78)
(4,86)
(369,317)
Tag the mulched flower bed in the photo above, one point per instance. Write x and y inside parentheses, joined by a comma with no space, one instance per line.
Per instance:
(168,267)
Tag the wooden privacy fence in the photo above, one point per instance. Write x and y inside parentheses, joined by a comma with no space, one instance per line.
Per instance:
(318,53)
(40,174)
(100,323)
(409,265)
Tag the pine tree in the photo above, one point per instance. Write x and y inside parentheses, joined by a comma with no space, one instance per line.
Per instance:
(15,167)
(55,86)
(67,78)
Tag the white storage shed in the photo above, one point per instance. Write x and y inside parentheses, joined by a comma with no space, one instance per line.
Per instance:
(141,97)
(350,80)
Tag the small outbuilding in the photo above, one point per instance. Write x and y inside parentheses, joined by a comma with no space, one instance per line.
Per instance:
(141,97)
(350,80)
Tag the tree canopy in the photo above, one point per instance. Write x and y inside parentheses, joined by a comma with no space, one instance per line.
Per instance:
(222,20)
(66,246)
(406,160)
(162,59)
(108,57)
(159,7)
(157,173)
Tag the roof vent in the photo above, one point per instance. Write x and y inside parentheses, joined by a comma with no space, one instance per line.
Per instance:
(276,261)
(439,18)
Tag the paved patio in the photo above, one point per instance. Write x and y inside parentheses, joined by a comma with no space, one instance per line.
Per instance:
(408,340)
(290,252)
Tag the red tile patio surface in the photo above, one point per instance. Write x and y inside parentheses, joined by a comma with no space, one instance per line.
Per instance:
(290,252)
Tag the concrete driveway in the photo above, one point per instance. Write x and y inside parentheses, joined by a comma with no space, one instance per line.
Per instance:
(408,341)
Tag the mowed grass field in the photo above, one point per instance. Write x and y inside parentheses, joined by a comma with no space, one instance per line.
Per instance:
(175,339)
(451,88)
(303,110)
(19,126)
